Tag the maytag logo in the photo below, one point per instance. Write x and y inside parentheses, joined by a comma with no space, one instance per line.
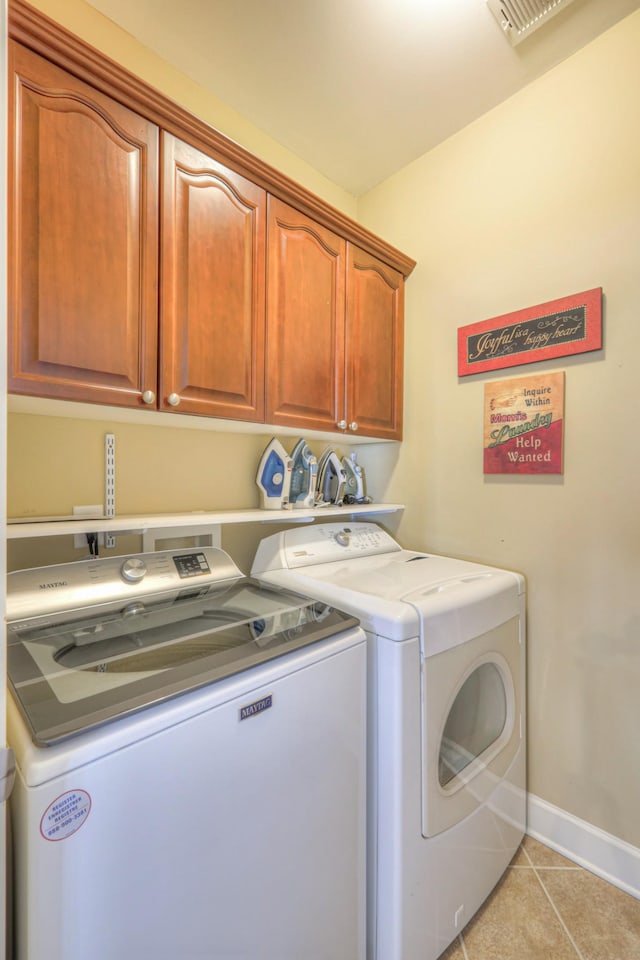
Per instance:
(253,709)
(54,584)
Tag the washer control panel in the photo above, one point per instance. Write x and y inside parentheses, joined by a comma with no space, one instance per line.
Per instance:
(48,591)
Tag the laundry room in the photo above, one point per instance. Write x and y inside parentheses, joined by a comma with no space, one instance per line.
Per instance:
(535,198)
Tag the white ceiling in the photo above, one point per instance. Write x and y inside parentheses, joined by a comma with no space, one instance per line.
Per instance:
(357,88)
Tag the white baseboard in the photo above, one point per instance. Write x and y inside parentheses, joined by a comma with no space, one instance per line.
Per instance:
(601,853)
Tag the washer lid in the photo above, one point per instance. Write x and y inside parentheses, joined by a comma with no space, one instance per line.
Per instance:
(71,675)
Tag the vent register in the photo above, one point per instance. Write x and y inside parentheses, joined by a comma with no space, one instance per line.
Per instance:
(520,18)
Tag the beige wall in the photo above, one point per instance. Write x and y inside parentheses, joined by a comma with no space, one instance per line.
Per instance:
(56,463)
(539,199)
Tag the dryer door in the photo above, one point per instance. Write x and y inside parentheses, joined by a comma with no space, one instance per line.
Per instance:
(471,723)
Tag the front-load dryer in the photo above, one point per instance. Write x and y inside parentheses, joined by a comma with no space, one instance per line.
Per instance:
(446,744)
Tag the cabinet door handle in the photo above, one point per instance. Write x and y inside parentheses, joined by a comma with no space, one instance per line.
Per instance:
(148,397)
(353,426)
(173,399)
(341,424)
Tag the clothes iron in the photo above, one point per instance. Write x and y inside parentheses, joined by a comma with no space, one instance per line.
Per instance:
(354,488)
(274,476)
(331,479)
(304,474)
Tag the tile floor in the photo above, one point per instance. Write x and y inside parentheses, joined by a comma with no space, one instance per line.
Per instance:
(548,908)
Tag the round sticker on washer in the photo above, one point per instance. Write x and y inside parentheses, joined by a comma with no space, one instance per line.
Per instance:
(65,815)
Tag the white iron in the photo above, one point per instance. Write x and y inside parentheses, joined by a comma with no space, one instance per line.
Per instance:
(274,476)
(331,479)
(304,475)
(354,488)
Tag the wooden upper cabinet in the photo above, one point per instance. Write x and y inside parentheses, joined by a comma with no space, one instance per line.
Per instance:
(374,337)
(153,262)
(83,239)
(212,312)
(334,331)
(305,321)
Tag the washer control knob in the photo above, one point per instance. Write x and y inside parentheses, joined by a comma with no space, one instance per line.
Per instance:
(174,399)
(148,397)
(343,538)
(133,570)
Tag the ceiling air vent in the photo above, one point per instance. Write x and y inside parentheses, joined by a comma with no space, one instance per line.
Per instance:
(519,18)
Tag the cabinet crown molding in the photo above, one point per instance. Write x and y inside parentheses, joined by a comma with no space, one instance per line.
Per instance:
(51,40)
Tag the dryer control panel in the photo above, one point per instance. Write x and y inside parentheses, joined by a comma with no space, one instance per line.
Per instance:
(325,543)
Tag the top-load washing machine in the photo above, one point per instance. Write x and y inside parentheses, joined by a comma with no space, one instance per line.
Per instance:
(446,790)
(190,750)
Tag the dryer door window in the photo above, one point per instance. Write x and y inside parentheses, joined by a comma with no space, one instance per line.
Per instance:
(471,723)
(476,720)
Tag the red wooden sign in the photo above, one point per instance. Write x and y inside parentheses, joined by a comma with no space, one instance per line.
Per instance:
(559,328)
(524,424)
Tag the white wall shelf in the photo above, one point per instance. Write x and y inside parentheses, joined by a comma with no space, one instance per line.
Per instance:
(27,527)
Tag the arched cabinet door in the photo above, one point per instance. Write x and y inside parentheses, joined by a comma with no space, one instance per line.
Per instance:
(305,321)
(212,316)
(374,350)
(83,239)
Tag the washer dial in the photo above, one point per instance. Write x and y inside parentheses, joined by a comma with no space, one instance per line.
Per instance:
(133,570)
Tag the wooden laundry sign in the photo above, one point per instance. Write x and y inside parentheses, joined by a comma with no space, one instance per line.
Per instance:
(524,424)
(555,329)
